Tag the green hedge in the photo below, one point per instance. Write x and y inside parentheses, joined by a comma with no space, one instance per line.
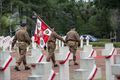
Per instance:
(117,44)
(102,44)
(97,44)
(104,40)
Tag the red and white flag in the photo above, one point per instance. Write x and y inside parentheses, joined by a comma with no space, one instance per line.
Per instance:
(42,33)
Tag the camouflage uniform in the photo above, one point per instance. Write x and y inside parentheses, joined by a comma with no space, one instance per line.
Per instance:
(22,40)
(52,45)
(73,40)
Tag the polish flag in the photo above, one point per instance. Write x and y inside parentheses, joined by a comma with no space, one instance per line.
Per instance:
(42,33)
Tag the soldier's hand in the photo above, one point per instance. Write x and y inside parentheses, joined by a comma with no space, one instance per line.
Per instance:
(65,44)
(45,47)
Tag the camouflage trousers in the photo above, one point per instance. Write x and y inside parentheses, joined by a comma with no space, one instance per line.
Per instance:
(51,48)
(73,48)
(22,53)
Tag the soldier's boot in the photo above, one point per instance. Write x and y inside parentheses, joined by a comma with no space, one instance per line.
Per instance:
(16,68)
(25,64)
(27,68)
(54,62)
(74,59)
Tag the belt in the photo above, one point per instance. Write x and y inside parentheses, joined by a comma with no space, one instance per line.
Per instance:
(51,41)
(20,42)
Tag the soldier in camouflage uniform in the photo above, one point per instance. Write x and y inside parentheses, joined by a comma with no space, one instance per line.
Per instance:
(73,40)
(52,45)
(22,40)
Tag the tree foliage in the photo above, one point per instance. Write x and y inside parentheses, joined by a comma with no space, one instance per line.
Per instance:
(88,17)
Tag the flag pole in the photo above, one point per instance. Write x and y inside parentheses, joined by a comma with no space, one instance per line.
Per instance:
(41,19)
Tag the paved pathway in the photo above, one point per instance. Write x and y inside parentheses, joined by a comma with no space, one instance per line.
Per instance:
(22,75)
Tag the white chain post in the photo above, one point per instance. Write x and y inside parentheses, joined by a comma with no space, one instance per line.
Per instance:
(108,52)
(87,40)
(33,43)
(81,41)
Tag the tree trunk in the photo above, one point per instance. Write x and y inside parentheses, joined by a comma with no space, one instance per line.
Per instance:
(118,26)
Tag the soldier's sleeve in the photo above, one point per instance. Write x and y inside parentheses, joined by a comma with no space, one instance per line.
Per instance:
(66,38)
(59,37)
(27,38)
(14,41)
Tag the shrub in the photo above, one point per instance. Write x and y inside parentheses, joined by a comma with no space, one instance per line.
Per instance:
(102,44)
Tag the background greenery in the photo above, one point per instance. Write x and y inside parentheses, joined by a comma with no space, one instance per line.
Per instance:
(102,42)
(96,17)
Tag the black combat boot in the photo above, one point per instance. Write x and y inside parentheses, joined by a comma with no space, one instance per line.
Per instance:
(16,68)
(27,68)
(75,63)
(55,65)
(74,59)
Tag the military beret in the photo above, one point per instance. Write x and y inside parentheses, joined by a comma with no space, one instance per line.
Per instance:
(23,24)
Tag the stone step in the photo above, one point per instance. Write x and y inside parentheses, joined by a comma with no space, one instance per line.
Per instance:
(35,77)
(115,69)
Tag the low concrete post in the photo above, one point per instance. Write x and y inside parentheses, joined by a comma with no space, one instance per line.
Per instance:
(63,58)
(116,67)
(88,69)
(5,60)
(108,52)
